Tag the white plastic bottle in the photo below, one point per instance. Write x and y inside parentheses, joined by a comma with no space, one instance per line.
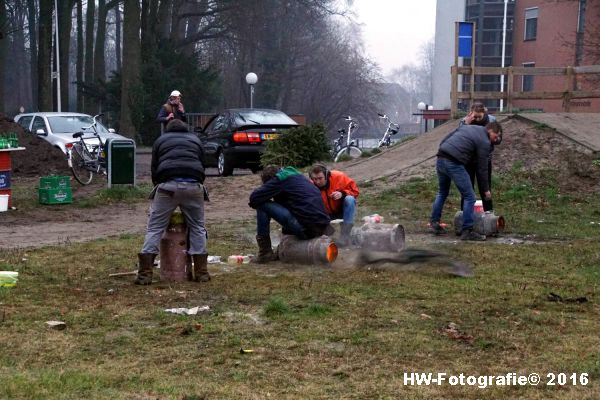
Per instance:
(238,259)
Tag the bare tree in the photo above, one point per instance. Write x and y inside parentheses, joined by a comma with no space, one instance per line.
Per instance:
(118,36)
(80,53)
(3,47)
(88,74)
(33,50)
(44,57)
(65,23)
(415,79)
(131,69)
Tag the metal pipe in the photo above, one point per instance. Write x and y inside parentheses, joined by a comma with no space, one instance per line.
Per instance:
(320,250)
(486,223)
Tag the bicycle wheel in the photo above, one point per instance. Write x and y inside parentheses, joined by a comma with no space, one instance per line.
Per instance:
(348,152)
(80,159)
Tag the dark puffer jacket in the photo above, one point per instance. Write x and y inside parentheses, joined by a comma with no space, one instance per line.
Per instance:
(177,155)
(469,144)
(295,192)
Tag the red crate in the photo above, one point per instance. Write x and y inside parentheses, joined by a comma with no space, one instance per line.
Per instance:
(9,193)
(4,160)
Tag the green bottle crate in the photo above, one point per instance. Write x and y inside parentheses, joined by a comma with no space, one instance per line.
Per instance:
(55,196)
(55,182)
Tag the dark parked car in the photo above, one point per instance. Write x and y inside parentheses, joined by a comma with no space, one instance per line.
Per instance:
(236,138)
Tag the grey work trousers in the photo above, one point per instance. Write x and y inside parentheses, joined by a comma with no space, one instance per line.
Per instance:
(189,196)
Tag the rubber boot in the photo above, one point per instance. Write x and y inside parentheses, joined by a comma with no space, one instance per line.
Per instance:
(345,240)
(200,268)
(146,263)
(265,250)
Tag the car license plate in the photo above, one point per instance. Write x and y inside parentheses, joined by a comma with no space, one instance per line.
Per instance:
(269,136)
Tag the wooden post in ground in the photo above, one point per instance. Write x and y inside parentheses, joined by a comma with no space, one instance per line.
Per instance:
(509,89)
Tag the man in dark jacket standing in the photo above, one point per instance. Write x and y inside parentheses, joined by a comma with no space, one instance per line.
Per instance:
(465,145)
(293,201)
(178,174)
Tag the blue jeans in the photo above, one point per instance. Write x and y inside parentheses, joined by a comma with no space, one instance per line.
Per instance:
(348,210)
(282,215)
(190,199)
(448,172)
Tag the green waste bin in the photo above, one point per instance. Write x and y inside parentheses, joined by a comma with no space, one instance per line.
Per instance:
(121,162)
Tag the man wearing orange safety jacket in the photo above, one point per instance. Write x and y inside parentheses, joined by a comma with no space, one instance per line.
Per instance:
(339,193)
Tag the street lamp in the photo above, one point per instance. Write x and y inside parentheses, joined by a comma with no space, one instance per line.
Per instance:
(251,79)
(422,107)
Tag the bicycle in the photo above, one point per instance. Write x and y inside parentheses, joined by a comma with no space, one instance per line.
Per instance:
(392,129)
(350,150)
(337,143)
(87,157)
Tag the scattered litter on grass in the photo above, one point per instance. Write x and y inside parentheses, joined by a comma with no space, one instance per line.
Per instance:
(246,351)
(58,325)
(214,259)
(425,316)
(557,298)
(128,273)
(187,311)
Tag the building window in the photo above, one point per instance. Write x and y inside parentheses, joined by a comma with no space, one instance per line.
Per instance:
(528,79)
(531,17)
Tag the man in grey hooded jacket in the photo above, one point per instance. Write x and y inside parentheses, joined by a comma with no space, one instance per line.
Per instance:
(468,144)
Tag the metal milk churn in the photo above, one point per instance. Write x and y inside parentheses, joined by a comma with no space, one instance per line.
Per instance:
(319,250)
(485,223)
(379,237)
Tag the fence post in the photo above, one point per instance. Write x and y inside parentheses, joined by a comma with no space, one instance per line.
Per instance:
(509,89)
(453,92)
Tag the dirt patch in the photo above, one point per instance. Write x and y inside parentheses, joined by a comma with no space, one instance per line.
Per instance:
(39,158)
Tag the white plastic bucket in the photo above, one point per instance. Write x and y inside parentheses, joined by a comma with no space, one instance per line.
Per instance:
(4,202)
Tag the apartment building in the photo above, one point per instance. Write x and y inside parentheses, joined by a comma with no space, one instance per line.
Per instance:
(556,34)
(539,33)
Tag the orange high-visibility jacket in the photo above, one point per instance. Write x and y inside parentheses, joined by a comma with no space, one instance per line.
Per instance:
(338,182)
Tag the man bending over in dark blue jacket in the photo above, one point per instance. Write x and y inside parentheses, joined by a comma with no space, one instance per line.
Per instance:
(468,144)
(292,200)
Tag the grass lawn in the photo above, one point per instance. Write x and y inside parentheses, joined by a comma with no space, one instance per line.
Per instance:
(317,332)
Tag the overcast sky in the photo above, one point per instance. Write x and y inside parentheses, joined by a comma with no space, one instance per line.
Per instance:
(394,30)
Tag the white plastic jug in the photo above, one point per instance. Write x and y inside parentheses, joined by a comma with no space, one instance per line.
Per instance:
(4,202)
